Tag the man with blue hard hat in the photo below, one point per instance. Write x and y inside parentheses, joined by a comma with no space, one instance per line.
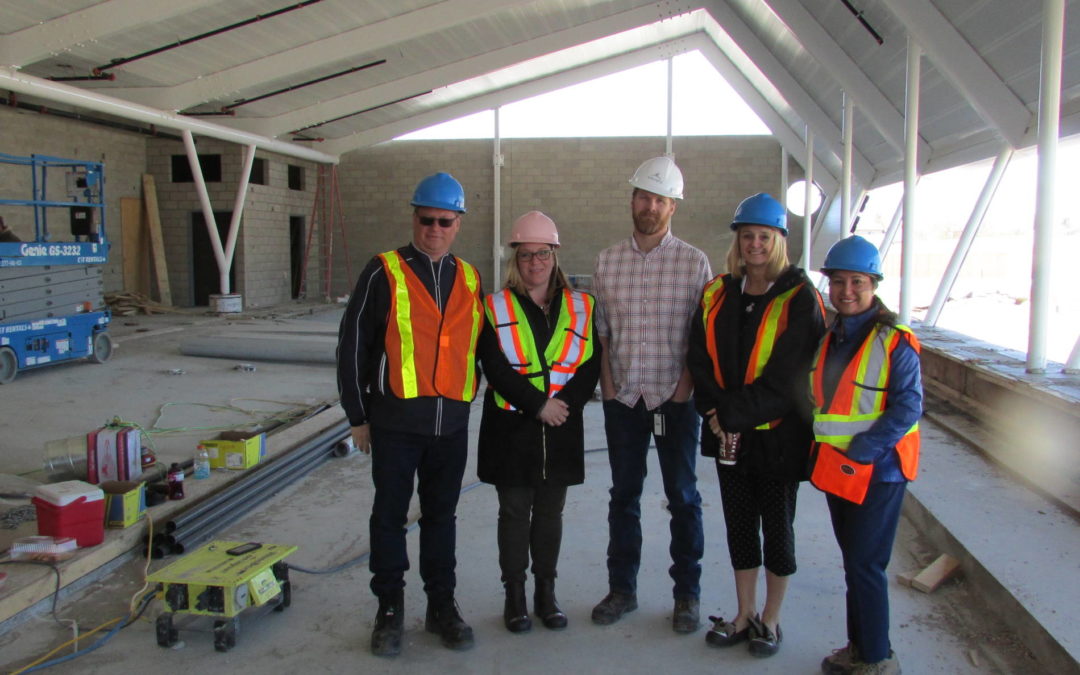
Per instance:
(407,375)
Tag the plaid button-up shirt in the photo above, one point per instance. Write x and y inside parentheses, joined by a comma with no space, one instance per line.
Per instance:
(644,304)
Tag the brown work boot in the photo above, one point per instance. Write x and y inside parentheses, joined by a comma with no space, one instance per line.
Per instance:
(685,618)
(612,607)
(889,666)
(840,661)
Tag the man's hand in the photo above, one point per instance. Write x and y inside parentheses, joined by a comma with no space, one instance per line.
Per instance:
(361,437)
(607,382)
(684,388)
(554,412)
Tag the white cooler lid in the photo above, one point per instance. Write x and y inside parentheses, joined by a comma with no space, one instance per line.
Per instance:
(62,494)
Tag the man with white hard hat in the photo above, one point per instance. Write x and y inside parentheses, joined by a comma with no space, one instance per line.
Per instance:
(647,287)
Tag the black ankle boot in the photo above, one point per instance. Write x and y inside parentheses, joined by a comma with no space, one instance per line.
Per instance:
(515,612)
(389,625)
(444,618)
(546,606)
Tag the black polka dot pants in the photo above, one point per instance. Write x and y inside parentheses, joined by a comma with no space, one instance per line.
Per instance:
(756,505)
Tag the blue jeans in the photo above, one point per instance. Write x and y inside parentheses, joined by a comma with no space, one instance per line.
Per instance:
(865,533)
(628,433)
(397,459)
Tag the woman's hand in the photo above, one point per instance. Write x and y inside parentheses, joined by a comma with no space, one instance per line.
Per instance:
(554,412)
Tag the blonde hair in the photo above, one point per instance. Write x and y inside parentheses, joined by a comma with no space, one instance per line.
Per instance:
(777,263)
(515,283)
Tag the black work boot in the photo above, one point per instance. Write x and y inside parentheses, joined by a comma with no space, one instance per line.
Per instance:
(444,618)
(546,606)
(515,612)
(389,625)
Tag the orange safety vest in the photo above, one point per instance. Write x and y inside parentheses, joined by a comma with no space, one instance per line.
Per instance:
(859,400)
(773,324)
(570,344)
(432,353)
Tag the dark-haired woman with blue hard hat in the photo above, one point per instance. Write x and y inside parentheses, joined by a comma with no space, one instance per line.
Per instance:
(866,390)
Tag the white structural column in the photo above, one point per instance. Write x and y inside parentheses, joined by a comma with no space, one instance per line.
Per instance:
(963,245)
(845,175)
(911,157)
(238,211)
(670,107)
(208,212)
(1049,117)
(784,180)
(808,214)
(496,230)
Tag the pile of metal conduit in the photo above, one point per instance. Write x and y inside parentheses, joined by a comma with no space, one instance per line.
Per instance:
(208,517)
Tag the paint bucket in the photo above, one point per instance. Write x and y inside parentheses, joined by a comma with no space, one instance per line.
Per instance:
(231,303)
(65,459)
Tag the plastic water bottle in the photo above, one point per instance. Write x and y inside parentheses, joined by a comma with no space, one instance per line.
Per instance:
(202,462)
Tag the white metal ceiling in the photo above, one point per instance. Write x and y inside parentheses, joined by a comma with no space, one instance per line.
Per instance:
(793,60)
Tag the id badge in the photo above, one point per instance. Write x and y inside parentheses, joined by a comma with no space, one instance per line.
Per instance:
(658,424)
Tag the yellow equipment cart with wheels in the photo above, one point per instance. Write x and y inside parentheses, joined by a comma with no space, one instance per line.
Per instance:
(221,579)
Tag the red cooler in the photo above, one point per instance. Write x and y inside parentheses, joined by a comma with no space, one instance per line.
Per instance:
(72,508)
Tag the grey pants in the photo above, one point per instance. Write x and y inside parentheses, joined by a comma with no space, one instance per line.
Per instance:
(530,522)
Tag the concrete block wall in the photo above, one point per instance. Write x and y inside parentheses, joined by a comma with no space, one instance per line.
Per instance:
(26,133)
(261,258)
(581,183)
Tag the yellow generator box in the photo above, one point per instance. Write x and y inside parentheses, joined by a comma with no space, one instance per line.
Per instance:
(236,449)
(125,502)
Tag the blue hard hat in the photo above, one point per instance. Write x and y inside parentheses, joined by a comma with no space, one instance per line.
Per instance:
(440,191)
(854,254)
(761,209)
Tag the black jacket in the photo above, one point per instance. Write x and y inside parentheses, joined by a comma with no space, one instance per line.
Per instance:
(363,380)
(515,448)
(779,392)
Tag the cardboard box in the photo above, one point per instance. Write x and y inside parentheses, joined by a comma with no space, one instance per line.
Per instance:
(125,502)
(236,449)
(72,508)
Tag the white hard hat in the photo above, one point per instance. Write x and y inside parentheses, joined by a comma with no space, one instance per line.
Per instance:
(534,228)
(659,175)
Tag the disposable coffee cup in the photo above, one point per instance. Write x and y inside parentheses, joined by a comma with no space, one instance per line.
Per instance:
(729,450)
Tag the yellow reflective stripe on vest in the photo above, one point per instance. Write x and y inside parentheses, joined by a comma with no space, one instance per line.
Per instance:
(563,356)
(873,359)
(472,283)
(393,261)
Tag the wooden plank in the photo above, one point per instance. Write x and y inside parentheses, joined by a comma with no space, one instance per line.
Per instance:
(135,245)
(157,244)
(937,572)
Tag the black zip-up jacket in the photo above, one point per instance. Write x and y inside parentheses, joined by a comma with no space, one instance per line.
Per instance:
(363,378)
(780,452)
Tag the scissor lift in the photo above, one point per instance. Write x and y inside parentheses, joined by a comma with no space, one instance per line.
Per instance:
(52,308)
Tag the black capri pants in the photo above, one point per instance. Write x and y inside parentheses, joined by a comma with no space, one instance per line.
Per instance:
(754,505)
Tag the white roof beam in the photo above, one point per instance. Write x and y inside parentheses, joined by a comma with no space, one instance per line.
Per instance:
(57,36)
(953,55)
(368,39)
(749,54)
(820,45)
(57,92)
(452,72)
(541,85)
(790,139)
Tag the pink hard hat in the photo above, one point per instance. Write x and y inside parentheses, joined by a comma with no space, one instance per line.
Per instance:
(534,228)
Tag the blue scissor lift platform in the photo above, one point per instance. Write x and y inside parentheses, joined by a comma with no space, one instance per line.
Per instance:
(52,308)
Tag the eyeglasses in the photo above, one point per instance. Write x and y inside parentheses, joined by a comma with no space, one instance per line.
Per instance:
(428,221)
(544,254)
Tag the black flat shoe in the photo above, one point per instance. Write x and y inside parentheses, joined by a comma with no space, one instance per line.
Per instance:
(764,642)
(724,633)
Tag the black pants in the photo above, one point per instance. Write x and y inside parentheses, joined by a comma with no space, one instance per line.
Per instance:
(530,521)
(756,505)
(437,464)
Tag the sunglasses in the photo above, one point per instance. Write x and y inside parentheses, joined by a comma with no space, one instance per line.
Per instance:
(428,221)
(526,256)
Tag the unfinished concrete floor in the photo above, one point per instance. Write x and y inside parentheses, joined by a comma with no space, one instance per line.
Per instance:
(326,630)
